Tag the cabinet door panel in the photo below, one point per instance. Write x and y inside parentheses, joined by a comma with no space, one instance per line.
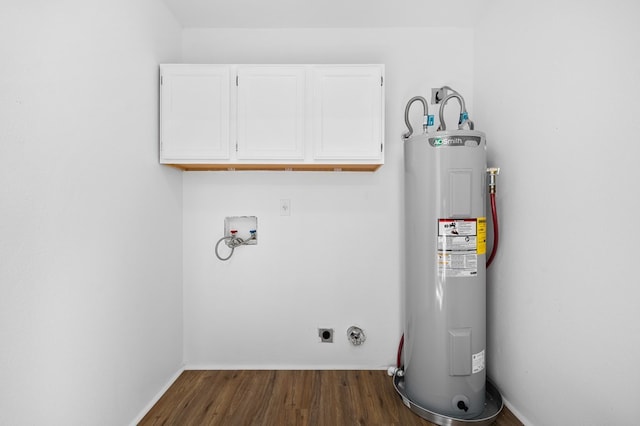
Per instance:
(347,113)
(271,112)
(194,113)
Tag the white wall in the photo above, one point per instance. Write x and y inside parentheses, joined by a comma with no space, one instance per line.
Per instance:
(558,93)
(337,260)
(91,311)
(90,229)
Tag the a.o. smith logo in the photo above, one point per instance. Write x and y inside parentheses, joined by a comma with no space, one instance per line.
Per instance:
(454,141)
(446,141)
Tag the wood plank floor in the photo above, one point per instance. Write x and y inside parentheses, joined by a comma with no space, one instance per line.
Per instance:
(279,397)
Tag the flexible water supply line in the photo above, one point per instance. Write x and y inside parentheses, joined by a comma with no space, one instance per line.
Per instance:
(493,176)
(425,108)
(399,358)
(494,216)
(463,112)
(232,242)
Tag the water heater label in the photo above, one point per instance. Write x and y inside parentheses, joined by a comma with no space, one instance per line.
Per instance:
(460,241)
(477,362)
(482,235)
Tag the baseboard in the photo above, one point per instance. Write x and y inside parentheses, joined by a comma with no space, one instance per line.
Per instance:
(516,413)
(280,367)
(157,397)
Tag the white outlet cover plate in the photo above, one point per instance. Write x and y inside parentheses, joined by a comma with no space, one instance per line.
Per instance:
(285,207)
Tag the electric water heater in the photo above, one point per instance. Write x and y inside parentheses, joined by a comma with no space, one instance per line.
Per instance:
(443,377)
(444,342)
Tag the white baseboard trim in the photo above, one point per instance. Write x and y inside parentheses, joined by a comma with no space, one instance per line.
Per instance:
(280,367)
(516,413)
(157,397)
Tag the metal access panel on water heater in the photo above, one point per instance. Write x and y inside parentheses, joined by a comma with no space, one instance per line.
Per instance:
(445,324)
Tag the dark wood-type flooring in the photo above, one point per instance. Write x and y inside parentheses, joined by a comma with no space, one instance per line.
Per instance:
(279,397)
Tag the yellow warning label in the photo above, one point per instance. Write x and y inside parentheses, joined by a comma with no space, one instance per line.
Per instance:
(482,235)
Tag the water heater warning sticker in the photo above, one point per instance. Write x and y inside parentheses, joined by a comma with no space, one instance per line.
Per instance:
(457,227)
(482,235)
(459,243)
(477,362)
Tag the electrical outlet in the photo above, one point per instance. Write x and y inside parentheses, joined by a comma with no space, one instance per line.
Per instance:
(437,95)
(285,207)
(326,335)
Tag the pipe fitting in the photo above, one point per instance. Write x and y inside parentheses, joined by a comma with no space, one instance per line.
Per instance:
(356,335)
(493,178)
(463,111)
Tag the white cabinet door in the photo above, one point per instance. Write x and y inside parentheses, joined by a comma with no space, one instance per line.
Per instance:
(194,109)
(348,112)
(270,119)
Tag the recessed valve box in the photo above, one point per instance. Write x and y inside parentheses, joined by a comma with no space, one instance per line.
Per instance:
(244,227)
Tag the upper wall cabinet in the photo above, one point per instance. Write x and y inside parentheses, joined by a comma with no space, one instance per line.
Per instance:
(272,117)
(194,113)
(347,113)
(270,113)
